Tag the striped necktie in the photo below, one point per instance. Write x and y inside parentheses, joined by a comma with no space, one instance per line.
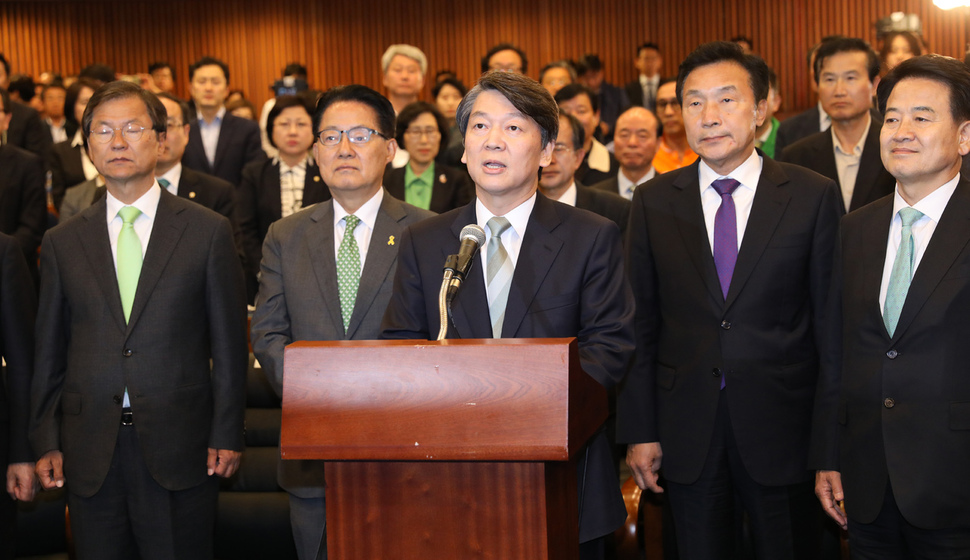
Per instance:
(500,271)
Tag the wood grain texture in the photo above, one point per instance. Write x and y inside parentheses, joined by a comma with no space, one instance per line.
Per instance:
(451,510)
(342,42)
(483,400)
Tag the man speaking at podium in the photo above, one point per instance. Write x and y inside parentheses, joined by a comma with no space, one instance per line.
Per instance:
(546,269)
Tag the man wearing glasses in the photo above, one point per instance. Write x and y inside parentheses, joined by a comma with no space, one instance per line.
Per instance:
(673,152)
(338,258)
(139,386)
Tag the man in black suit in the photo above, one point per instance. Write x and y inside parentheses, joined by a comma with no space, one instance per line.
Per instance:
(18,309)
(810,121)
(598,163)
(635,145)
(891,425)
(139,386)
(220,143)
(558,182)
(557,271)
(23,210)
(848,152)
(25,130)
(730,290)
(643,91)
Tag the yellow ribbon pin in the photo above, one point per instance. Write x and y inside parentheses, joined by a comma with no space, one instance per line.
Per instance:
(390,240)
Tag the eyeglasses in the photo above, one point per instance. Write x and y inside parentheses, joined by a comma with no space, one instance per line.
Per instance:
(356,135)
(561,149)
(662,104)
(130,132)
(419,132)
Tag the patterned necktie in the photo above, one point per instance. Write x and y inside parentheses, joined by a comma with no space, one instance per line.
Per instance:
(500,271)
(164,183)
(902,273)
(725,233)
(129,258)
(348,269)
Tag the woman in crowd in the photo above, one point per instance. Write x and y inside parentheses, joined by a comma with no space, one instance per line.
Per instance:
(68,161)
(277,187)
(423,182)
(897,47)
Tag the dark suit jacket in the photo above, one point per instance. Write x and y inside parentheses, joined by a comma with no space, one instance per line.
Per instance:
(634,92)
(23,205)
(258,204)
(817,152)
(298,299)
(591,176)
(452,187)
(568,282)
(609,205)
(239,145)
(189,308)
(66,168)
(795,128)
(897,408)
(762,338)
(27,130)
(18,309)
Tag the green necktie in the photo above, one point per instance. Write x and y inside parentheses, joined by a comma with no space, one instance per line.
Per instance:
(348,269)
(129,258)
(902,273)
(164,183)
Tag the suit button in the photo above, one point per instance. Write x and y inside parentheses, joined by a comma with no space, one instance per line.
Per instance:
(716,372)
(892,354)
(726,325)
(127,353)
(889,402)
(116,399)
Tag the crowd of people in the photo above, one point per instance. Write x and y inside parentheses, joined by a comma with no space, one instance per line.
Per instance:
(777,307)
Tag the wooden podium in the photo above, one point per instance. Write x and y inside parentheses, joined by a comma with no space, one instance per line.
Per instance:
(453,449)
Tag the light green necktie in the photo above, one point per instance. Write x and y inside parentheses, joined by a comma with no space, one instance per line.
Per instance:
(348,269)
(129,258)
(902,273)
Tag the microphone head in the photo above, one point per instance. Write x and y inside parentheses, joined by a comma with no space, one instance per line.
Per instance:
(473,231)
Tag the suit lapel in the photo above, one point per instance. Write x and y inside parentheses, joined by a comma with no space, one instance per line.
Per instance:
(874,258)
(186,184)
(380,256)
(539,249)
(948,242)
(225,131)
(470,307)
(441,190)
(689,211)
(195,147)
(93,237)
(320,252)
(314,189)
(166,231)
(770,202)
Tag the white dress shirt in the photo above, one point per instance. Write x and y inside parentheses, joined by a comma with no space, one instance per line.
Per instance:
(365,229)
(90,171)
(626,186)
(932,207)
(748,174)
(824,120)
(172,176)
(210,135)
(569,195)
(148,204)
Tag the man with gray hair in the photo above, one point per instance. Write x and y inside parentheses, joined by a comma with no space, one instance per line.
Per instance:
(404,68)
(555,270)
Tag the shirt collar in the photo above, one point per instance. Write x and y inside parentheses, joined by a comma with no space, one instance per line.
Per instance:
(78,139)
(173,175)
(625,184)
(932,205)
(824,120)
(857,150)
(367,212)
(286,168)
(220,114)
(426,178)
(518,216)
(147,203)
(747,173)
(569,195)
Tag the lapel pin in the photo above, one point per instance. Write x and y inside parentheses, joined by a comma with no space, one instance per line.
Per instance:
(316,178)
(390,240)
(192,194)
(442,178)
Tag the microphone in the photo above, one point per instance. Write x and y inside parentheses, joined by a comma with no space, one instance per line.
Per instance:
(456,267)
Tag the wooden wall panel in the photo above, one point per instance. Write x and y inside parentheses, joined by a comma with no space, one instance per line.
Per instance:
(341,42)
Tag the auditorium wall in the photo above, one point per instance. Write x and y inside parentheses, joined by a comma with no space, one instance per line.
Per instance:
(341,42)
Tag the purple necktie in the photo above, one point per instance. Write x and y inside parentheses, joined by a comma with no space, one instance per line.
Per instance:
(725,236)
(725,233)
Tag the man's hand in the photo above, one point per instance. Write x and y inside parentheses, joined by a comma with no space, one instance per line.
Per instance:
(50,470)
(21,482)
(223,462)
(828,488)
(644,460)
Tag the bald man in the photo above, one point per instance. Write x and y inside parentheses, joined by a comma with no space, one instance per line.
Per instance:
(634,145)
